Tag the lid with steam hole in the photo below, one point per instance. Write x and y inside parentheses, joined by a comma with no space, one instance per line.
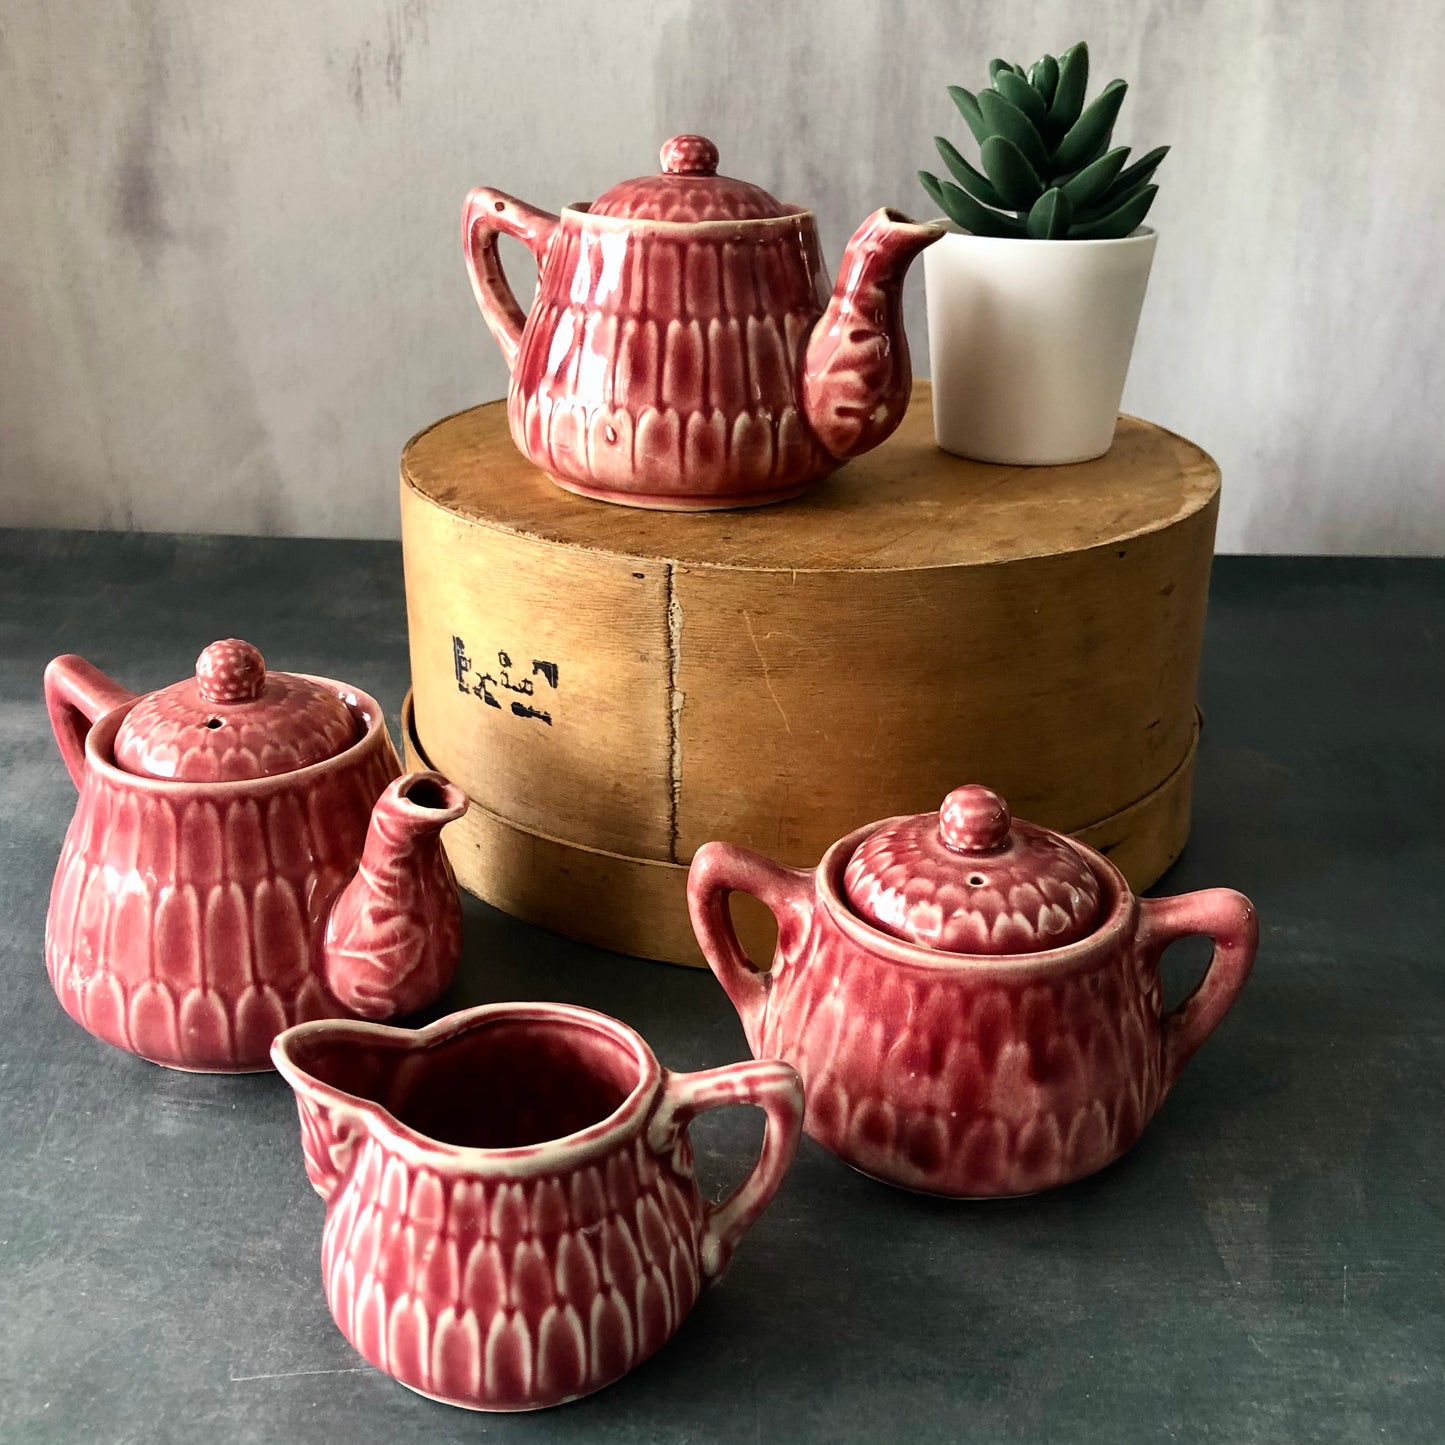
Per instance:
(970,879)
(233,720)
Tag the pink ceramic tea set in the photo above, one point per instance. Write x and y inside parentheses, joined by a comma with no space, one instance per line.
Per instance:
(969,1004)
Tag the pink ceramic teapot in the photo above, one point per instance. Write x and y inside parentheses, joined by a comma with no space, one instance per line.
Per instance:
(682,351)
(973,1002)
(512,1216)
(243,857)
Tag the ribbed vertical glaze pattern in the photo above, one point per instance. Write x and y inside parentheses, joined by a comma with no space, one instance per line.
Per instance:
(670,365)
(509,1294)
(186,919)
(967,1080)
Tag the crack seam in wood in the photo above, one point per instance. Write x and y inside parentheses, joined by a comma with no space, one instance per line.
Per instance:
(675,700)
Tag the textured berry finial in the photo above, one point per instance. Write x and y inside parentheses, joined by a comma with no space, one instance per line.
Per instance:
(689,155)
(231,671)
(974,820)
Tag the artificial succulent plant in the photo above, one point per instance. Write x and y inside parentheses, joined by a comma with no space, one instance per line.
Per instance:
(1049,173)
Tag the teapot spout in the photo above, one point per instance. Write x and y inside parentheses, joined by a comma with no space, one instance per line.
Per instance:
(856,374)
(394,932)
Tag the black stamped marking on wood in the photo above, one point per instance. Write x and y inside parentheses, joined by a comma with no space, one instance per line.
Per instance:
(488,685)
(461,663)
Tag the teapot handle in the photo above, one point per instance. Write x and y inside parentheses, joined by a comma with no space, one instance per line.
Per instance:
(76,696)
(718,871)
(770,1085)
(1230,920)
(487,214)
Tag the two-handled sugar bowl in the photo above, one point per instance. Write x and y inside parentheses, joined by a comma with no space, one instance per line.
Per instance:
(973,1002)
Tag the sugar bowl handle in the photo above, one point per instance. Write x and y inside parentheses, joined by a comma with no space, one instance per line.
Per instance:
(78,695)
(718,871)
(1229,919)
(487,214)
(770,1085)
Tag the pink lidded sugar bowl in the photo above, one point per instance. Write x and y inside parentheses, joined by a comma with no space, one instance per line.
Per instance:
(973,1002)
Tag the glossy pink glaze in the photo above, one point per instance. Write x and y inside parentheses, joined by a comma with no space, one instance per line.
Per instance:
(968,1075)
(512,1219)
(233,720)
(190,922)
(968,879)
(682,352)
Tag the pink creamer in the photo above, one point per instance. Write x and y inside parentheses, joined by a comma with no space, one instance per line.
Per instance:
(512,1219)
(243,857)
(684,351)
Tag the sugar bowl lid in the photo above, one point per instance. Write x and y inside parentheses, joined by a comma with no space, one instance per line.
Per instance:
(971,879)
(689,189)
(233,720)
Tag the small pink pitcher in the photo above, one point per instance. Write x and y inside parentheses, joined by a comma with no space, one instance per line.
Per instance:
(512,1219)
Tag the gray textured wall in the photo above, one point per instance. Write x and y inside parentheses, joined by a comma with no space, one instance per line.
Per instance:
(231,287)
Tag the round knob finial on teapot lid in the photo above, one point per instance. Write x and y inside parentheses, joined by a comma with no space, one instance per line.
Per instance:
(231,671)
(972,879)
(688,191)
(689,155)
(232,721)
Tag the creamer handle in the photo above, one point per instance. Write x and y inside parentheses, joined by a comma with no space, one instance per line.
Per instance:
(771,1086)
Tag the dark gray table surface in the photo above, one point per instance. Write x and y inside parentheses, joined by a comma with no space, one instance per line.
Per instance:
(1266,1265)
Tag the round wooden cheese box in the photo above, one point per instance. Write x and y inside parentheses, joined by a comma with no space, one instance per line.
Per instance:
(615,687)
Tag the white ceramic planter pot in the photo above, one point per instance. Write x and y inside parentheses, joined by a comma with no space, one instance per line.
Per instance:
(1031,341)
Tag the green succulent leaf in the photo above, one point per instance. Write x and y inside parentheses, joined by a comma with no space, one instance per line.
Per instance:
(1092,129)
(1068,101)
(1139,172)
(1118,222)
(977,185)
(1044,77)
(1047,156)
(964,211)
(934,187)
(1106,204)
(1017,91)
(1004,118)
(1050,216)
(967,104)
(1012,175)
(1087,186)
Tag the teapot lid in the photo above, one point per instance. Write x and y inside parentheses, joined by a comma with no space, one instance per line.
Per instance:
(970,879)
(689,189)
(233,720)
